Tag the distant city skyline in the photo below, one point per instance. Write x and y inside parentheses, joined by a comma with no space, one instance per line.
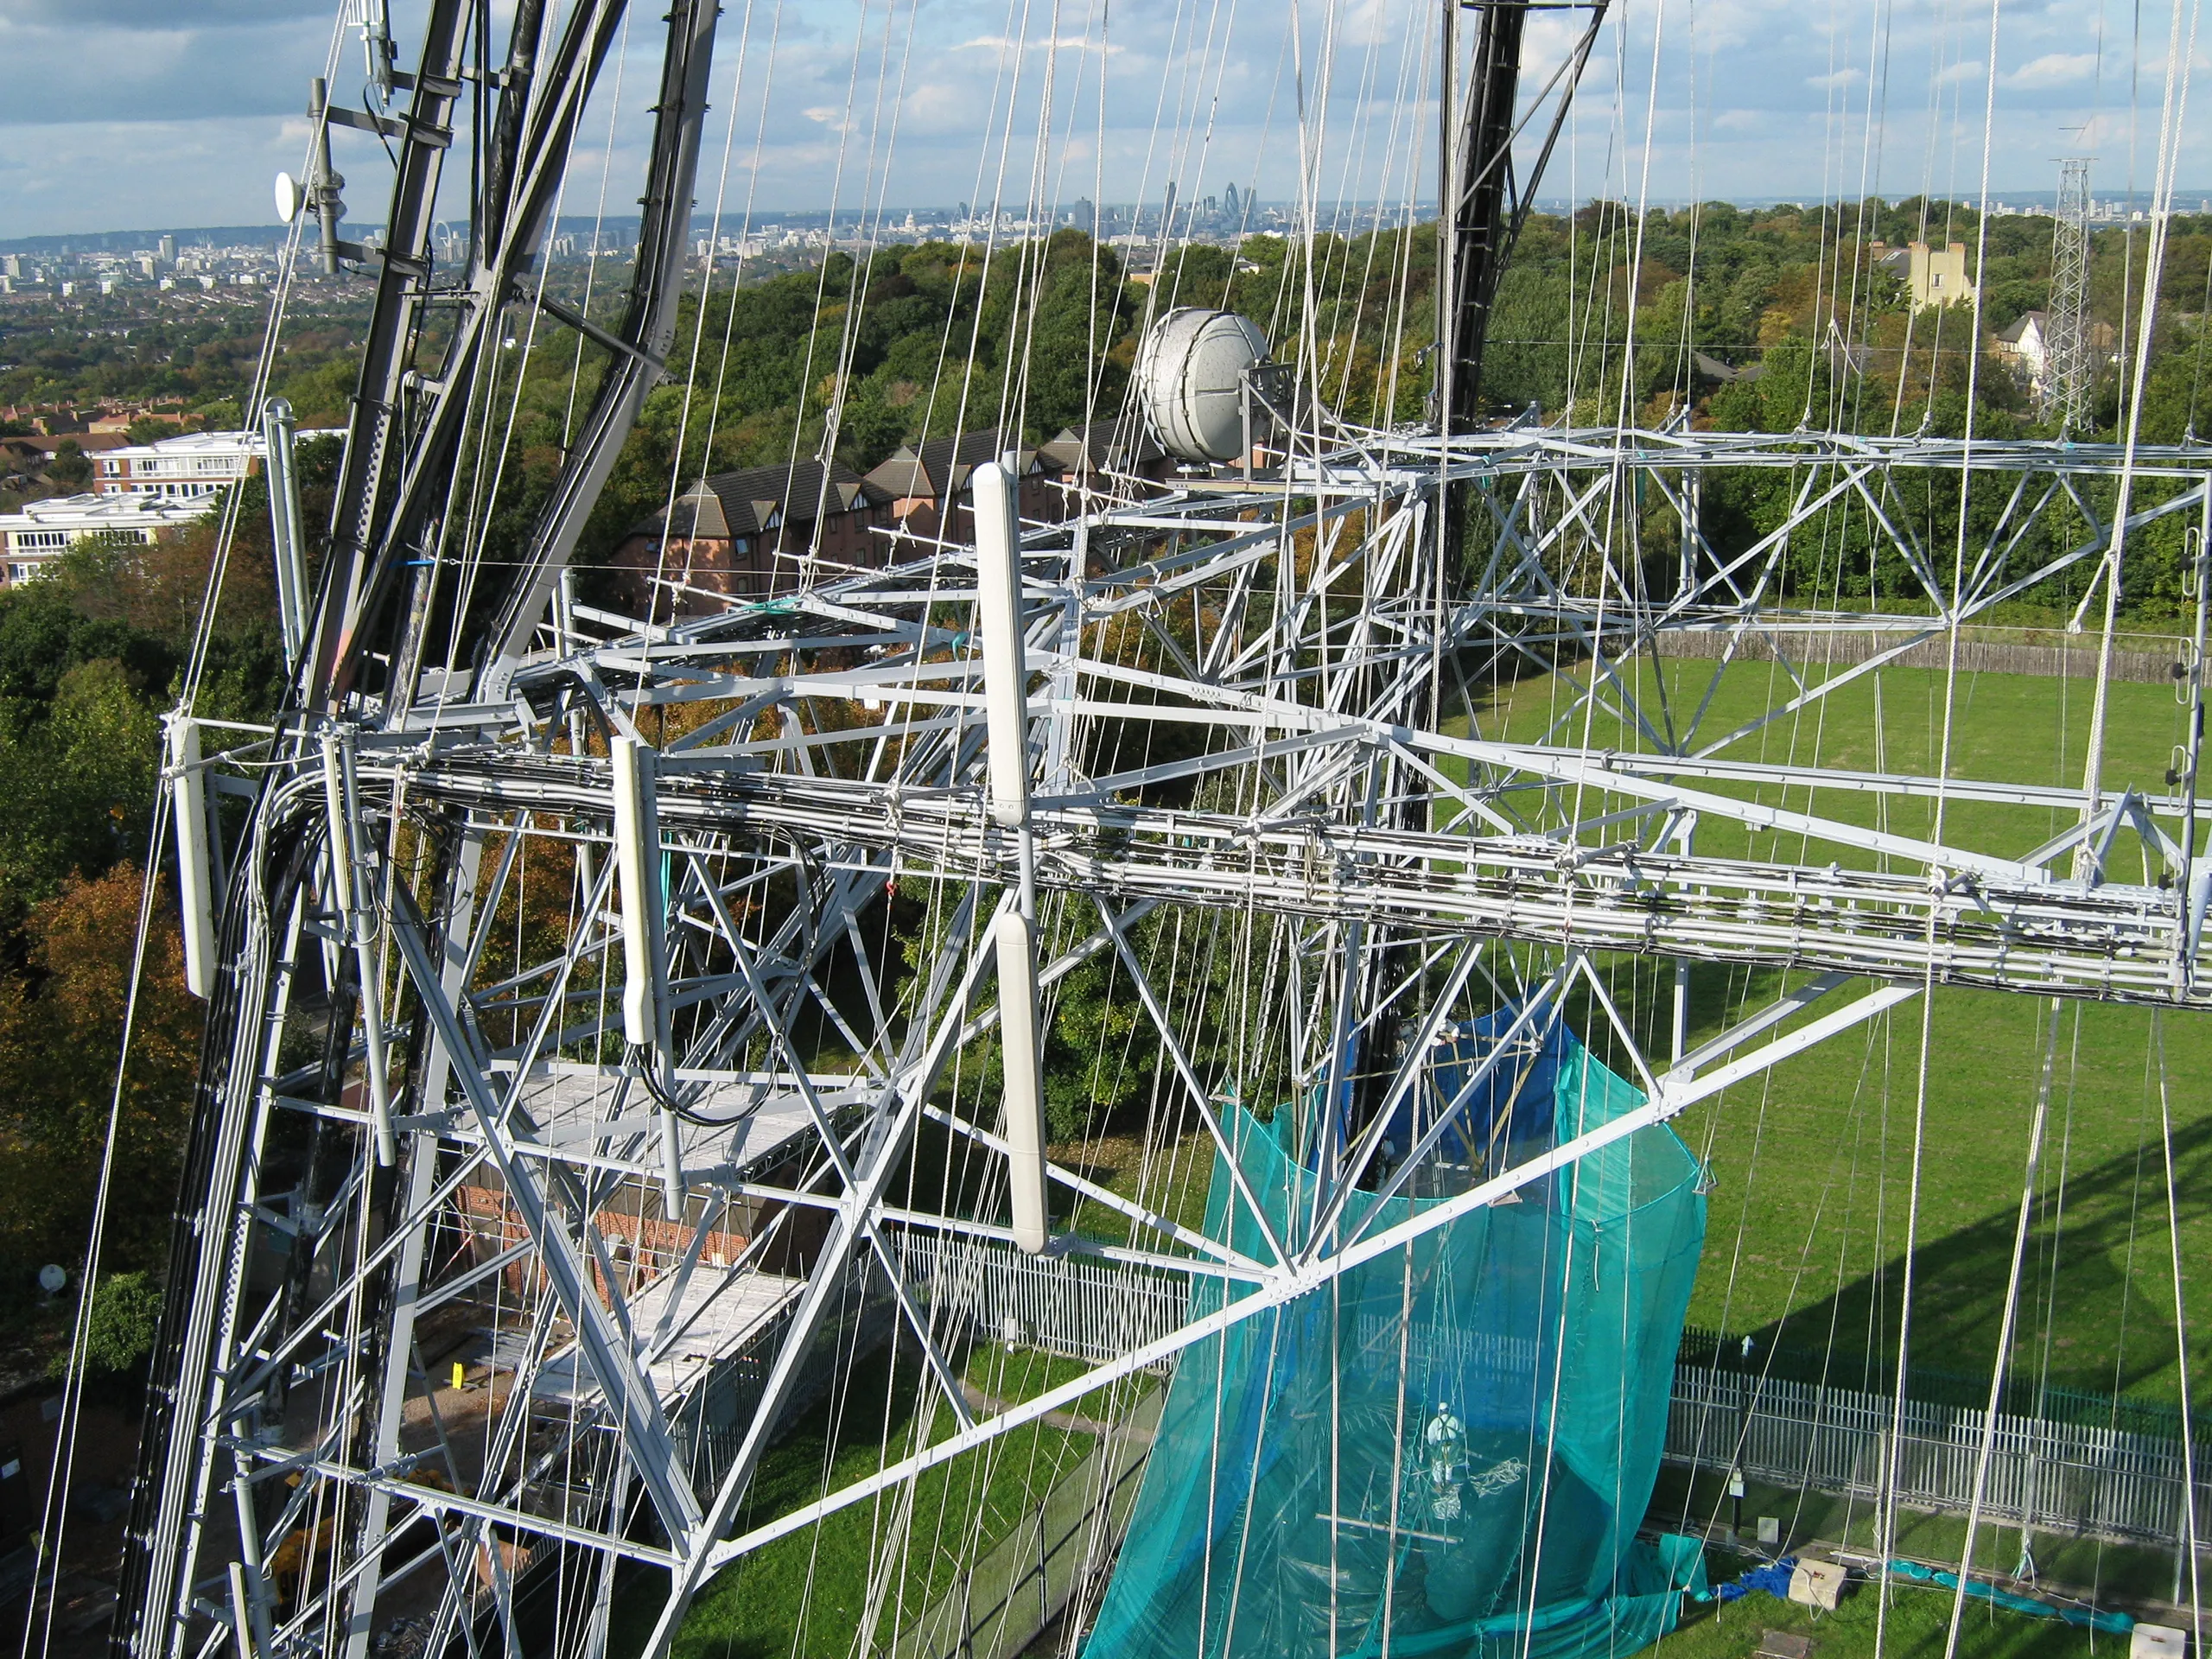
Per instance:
(120,112)
(572,235)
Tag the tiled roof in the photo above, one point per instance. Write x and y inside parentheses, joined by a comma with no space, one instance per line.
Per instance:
(758,499)
(1121,445)
(937,468)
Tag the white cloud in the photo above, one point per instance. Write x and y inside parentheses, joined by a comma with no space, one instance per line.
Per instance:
(131,114)
(2053,69)
(1058,43)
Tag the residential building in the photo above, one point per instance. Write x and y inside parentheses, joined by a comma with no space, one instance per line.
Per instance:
(1106,454)
(928,485)
(43,530)
(2025,344)
(94,444)
(1935,276)
(745,535)
(196,464)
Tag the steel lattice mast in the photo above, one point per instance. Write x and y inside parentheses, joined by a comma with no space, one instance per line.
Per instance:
(2070,367)
(625,1134)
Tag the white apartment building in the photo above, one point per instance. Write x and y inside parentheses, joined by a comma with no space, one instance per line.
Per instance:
(196,464)
(43,530)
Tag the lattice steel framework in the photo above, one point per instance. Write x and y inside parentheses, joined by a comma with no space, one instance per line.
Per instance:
(2070,374)
(650,1132)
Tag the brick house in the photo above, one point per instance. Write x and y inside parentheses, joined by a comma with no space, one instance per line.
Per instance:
(928,487)
(1106,454)
(745,534)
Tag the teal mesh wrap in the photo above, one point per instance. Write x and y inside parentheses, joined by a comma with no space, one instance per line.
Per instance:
(1300,1501)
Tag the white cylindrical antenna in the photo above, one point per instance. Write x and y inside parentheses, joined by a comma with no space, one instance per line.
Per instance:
(376,43)
(195,870)
(1193,370)
(277,431)
(637,870)
(1021,1044)
(644,999)
(350,898)
(1006,718)
(998,615)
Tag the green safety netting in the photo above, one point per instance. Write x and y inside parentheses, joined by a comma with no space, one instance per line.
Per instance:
(1451,1448)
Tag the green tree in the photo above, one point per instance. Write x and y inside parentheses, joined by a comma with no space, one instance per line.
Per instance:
(120,1331)
(69,468)
(76,787)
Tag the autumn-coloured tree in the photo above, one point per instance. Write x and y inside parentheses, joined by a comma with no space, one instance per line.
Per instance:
(61,1032)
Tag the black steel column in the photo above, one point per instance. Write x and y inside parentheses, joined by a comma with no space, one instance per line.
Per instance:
(1478,221)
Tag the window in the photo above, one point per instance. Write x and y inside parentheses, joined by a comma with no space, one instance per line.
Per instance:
(27,539)
(21,572)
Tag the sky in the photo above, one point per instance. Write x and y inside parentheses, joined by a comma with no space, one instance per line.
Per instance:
(122,114)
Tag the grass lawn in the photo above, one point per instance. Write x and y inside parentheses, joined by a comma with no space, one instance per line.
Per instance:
(1919,1619)
(2104,1574)
(876,1565)
(1171,1180)
(2005,728)
(1807,1225)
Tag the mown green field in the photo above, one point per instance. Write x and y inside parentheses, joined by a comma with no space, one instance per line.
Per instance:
(1807,1224)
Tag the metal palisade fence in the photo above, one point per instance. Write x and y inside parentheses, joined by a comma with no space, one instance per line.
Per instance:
(2044,1473)
(1086,1309)
(2063,1476)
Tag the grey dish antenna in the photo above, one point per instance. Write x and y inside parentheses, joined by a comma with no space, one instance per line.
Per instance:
(1190,375)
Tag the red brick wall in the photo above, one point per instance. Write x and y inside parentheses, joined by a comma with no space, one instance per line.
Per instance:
(656,1244)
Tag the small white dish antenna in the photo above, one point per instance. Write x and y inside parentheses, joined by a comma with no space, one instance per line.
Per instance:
(287,197)
(52,1279)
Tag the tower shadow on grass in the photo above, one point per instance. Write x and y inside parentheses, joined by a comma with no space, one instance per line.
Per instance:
(2100,1322)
